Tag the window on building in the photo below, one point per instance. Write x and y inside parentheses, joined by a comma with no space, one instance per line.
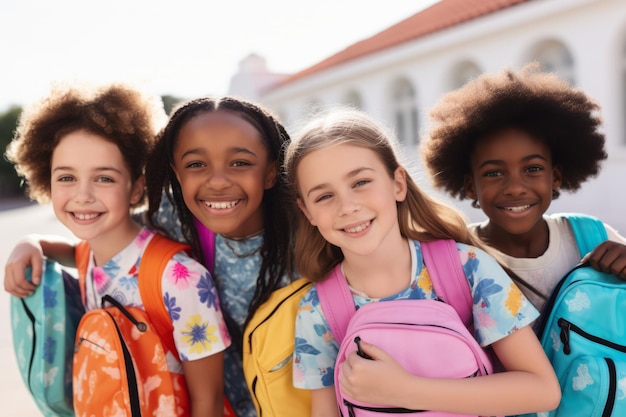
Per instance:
(405,114)
(353,99)
(553,56)
(463,72)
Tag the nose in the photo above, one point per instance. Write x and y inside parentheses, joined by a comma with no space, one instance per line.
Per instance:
(348,204)
(514,185)
(84,193)
(218,179)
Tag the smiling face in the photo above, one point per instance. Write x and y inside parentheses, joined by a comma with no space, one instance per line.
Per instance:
(512,179)
(347,193)
(92,190)
(223,167)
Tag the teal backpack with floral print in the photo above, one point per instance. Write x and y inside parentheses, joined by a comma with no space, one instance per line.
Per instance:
(43,327)
(583,332)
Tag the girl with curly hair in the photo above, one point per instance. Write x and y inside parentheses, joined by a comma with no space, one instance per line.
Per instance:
(85,151)
(511,141)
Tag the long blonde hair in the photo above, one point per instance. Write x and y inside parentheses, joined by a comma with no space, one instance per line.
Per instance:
(420,216)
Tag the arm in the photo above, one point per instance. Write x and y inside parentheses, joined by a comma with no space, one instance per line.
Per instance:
(205,384)
(324,403)
(29,252)
(528,385)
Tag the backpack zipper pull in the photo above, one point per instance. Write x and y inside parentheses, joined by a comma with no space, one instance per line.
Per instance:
(565,329)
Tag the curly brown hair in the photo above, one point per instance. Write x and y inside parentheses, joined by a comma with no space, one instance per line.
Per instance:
(537,103)
(123,115)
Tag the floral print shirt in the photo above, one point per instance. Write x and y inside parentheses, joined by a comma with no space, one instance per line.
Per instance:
(499,309)
(237,265)
(189,294)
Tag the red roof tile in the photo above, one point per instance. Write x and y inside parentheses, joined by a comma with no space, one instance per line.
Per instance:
(437,17)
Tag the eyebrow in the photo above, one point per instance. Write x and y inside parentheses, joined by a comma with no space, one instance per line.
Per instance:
(350,174)
(233,150)
(499,161)
(100,169)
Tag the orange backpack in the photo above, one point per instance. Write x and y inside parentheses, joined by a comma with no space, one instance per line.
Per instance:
(119,363)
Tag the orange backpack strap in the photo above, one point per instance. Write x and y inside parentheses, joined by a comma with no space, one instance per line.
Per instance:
(159,252)
(81,257)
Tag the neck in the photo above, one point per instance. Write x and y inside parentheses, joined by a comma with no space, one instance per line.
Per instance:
(106,246)
(531,244)
(382,274)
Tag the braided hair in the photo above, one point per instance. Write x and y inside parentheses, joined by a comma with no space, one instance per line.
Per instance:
(276,250)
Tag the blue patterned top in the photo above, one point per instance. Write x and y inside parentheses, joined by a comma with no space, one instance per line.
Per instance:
(499,309)
(235,276)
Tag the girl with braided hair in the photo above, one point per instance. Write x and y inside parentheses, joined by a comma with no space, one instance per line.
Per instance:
(219,160)
(511,141)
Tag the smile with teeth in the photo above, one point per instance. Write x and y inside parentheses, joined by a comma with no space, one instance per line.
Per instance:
(221,205)
(86,216)
(518,208)
(358,228)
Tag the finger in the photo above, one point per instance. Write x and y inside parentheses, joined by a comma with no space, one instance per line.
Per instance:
(36,270)
(373,351)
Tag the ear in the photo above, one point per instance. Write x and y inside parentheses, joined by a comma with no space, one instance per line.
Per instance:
(470,188)
(138,189)
(270,175)
(305,211)
(557,177)
(399,180)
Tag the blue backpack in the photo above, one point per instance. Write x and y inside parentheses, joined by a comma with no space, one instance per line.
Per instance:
(44,326)
(583,332)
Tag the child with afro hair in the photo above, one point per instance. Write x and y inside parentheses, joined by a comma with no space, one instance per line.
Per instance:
(510,142)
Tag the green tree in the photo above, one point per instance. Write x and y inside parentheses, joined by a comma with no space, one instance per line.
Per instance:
(9,181)
(170,103)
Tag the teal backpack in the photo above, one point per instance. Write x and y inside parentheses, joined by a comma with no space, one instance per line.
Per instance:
(583,332)
(44,326)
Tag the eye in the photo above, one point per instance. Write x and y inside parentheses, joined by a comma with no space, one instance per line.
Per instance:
(65,178)
(105,179)
(322,197)
(241,164)
(194,164)
(361,183)
(535,168)
(492,173)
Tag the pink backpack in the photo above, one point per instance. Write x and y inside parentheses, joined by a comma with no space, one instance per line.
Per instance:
(427,337)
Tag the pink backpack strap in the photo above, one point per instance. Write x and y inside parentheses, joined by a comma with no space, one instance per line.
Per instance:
(207,242)
(442,261)
(336,302)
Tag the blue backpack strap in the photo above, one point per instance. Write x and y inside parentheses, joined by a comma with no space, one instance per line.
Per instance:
(589,231)
(443,264)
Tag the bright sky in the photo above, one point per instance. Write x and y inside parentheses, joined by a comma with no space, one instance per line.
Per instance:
(186,48)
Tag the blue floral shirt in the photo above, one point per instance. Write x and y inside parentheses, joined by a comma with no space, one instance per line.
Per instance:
(499,309)
(237,265)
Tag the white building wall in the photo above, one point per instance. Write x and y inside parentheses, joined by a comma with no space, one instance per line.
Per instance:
(594,31)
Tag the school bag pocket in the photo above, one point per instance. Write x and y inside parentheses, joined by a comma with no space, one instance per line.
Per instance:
(268,354)
(426,337)
(43,327)
(120,366)
(595,387)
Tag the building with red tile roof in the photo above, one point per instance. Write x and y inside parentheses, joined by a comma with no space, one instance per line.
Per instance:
(396,75)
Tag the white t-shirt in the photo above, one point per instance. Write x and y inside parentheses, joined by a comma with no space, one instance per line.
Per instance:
(545,271)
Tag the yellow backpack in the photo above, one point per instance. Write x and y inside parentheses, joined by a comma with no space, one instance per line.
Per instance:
(268,344)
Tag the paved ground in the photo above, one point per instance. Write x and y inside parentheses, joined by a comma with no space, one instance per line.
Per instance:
(17,218)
